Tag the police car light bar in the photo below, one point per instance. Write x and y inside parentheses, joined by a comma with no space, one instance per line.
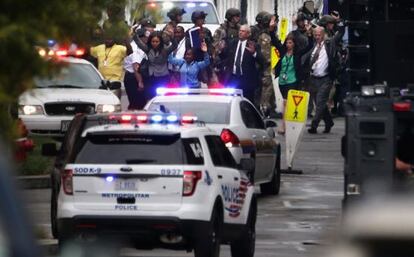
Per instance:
(185,91)
(141,118)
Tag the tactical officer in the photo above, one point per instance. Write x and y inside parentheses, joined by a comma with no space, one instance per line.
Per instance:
(299,34)
(176,17)
(261,34)
(328,22)
(227,31)
(204,35)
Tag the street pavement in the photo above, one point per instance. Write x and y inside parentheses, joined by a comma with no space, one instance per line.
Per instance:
(302,221)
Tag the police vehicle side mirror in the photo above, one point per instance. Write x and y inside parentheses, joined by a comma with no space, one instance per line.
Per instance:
(114,85)
(49,149)
(271,132)
(270,123)
(247,165)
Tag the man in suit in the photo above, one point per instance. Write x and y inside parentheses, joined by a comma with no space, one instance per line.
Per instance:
(322,63)
(242,56)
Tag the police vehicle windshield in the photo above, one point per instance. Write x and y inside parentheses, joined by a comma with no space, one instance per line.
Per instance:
(72,75)
(207,112)
(142,149)
(164,6)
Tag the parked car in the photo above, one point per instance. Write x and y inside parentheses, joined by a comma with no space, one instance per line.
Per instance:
(207,6)
(78,87)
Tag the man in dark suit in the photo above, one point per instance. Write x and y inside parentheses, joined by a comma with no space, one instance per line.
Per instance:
(242,56)
(322,63)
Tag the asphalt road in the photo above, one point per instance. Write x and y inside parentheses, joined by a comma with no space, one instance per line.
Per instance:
(302,221)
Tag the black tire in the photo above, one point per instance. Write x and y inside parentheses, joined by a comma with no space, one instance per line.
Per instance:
(208,245)
(273,187)
(246,244)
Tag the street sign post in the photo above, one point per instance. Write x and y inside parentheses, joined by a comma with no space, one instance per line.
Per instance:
(296,114)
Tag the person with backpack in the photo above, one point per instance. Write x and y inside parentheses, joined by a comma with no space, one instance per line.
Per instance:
(228,31)
(189,68)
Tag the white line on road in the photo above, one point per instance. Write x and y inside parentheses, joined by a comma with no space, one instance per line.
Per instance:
(287,204)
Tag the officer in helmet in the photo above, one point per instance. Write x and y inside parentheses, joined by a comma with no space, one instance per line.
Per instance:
(299,34)
(176,17)
(329,22)
(227,31)
(203,34)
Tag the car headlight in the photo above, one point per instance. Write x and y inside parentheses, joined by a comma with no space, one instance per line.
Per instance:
(30,109)
(108,108)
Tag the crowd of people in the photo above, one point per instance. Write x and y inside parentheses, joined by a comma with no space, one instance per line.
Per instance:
(237,55)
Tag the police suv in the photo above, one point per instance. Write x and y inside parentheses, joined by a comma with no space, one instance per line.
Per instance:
(156,180)
(245,132)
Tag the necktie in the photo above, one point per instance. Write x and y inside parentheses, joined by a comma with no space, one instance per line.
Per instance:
(316,55)
(238,60)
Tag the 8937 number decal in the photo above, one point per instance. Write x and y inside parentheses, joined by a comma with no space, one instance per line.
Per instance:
(171,172)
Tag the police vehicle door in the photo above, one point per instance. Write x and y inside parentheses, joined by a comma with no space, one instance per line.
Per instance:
(264,154)
(229,179)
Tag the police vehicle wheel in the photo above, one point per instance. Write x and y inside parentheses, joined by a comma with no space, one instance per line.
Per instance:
(273,187)
(245,245)
(208,245)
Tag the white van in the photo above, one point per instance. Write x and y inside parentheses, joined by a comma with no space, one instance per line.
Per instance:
(207,6)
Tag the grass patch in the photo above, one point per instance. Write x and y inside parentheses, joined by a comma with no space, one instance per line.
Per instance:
(36,163)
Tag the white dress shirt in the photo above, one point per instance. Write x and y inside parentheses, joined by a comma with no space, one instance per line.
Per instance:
(320,67)
(136,57)
(241,44)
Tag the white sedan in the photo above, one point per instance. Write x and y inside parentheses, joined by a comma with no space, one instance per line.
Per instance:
(241,127)
(78,87)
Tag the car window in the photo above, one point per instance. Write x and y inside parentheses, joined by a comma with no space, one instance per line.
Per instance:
(164,6)
(220,155)
(72,75)
(194,151)
(140,149)
(250,116)
(208,112)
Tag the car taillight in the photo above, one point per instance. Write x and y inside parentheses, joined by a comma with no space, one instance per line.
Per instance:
(190,180)
(67,182)
(402,106)
(229,138)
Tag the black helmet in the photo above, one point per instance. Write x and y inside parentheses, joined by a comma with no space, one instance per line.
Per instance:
(198,15)
(263,18)
(146,22)
(324,20)
(300,17)
(230,13)
(172,14)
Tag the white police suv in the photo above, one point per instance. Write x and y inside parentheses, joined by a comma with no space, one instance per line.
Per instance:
(47,109)
(158,181)
(242,128)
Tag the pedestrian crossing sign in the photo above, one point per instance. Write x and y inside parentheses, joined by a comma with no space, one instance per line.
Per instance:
(297,106)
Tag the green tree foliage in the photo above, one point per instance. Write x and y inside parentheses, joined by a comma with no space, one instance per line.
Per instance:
(25,24)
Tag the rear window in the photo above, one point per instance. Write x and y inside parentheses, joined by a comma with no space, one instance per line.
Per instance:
(208,112)
(164,6)
(139,149)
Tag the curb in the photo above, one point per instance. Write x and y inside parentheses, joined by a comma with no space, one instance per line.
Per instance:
(34,182)
(48,246)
